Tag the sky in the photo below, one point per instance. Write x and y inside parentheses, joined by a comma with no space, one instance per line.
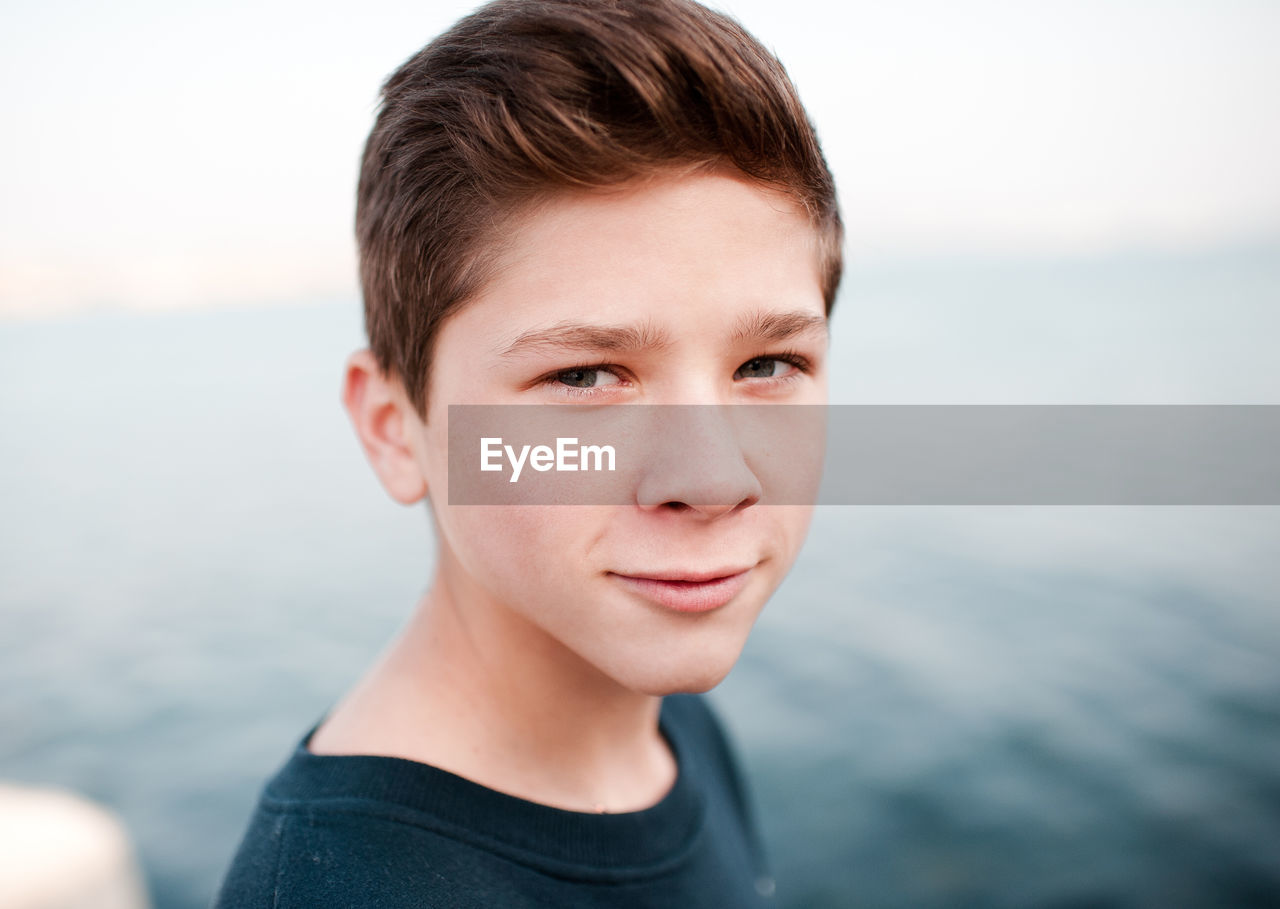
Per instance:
(162,154)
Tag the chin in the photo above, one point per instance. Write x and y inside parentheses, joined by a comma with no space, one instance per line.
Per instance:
(693,672)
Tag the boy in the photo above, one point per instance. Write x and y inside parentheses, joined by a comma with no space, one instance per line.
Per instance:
(570,201)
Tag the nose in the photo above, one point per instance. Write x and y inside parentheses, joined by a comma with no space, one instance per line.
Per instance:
(694,462)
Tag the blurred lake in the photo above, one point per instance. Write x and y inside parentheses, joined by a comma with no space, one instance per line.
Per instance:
(999,707)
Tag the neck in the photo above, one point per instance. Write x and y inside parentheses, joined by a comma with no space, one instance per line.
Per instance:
(473,687)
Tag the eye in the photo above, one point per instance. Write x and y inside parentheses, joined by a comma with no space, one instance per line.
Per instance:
(586,377)
(766,368)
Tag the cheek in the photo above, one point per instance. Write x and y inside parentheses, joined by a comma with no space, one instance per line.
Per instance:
(517,551)
(792,523)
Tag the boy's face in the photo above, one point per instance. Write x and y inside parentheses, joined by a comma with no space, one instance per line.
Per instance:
(718,277)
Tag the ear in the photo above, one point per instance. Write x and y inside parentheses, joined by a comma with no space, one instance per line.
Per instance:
(384,421)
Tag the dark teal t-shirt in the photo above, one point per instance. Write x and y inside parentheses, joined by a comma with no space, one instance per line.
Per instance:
(356,831)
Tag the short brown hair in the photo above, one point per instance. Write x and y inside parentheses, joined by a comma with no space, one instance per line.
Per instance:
(525,97)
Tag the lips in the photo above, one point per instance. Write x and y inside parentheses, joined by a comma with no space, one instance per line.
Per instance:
(687,591)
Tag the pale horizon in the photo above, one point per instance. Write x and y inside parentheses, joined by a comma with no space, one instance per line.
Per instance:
(170,157)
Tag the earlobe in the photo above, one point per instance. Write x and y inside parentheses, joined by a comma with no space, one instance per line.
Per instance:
(383,420)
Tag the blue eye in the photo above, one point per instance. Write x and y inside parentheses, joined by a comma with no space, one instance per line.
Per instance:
(765,368)
(768,371)
(586,377)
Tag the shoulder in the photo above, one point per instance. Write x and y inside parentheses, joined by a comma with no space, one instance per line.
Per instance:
(355,855)
(364,831)
(343,831)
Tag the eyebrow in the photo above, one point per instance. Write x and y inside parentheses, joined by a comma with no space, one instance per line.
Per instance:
(763,327)
(587,336)
(772,327)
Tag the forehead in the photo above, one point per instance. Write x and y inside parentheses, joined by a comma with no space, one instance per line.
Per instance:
(683,252)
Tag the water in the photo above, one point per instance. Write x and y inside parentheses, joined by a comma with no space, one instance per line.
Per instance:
(941,707)
(978,724)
